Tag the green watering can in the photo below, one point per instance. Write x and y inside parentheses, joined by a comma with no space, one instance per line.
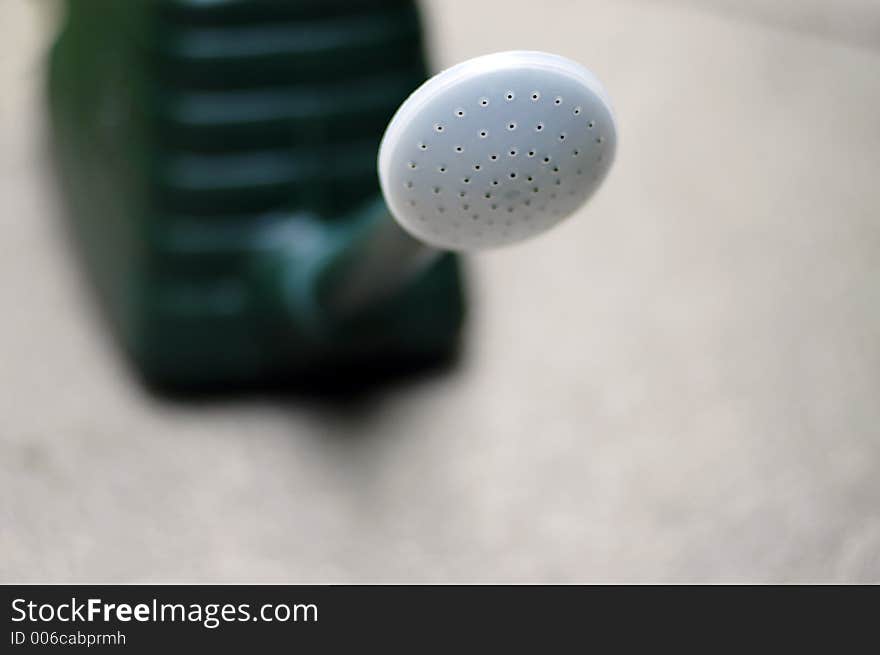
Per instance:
(218,158)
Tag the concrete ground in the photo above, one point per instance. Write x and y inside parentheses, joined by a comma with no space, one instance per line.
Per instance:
(680,384)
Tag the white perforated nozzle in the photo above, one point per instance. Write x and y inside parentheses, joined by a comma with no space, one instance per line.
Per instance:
(496,149)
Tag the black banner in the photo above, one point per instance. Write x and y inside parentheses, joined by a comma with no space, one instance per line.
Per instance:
(413,618)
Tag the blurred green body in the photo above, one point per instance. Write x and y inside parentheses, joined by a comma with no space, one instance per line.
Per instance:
(214,155)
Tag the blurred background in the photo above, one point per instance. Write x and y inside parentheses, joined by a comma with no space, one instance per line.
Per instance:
(679,384)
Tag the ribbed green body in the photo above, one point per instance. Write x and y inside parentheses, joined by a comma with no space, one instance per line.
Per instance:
(211,151)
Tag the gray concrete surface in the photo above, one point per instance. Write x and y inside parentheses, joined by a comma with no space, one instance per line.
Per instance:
(680,384)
